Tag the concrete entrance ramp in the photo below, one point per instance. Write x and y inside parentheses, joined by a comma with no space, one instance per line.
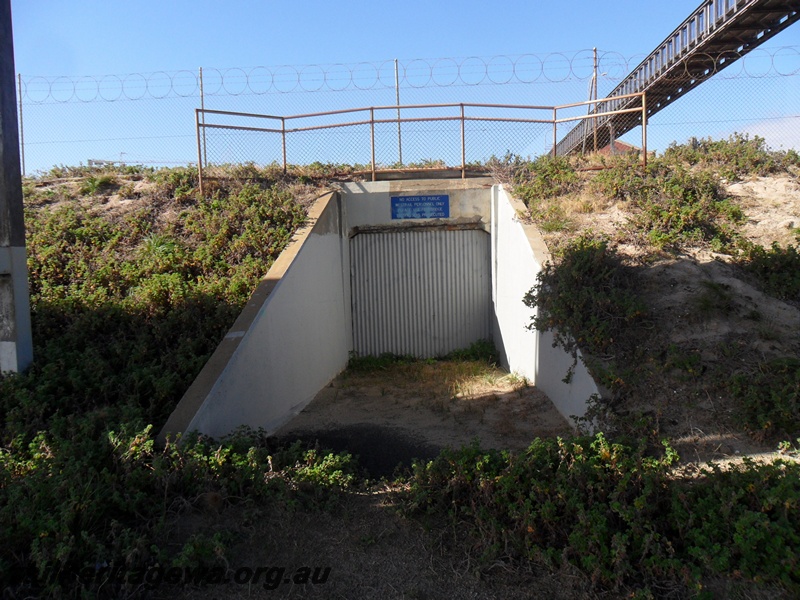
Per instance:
(346,282)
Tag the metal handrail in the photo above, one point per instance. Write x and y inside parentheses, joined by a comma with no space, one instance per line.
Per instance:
(553,119)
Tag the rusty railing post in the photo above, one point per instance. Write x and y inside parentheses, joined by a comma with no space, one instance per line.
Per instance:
(397,100)
(199,149)
(283,141)
(644,130)
(372,139)
(463,147)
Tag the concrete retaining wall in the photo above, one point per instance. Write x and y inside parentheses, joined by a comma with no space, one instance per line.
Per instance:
(289,342)
(518,255)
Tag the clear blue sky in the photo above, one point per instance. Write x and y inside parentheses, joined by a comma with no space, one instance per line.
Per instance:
(90,53)
(97,37)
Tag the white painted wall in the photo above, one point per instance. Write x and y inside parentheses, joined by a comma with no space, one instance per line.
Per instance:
(299,337)
(369,203)
(296,344)
(518,255)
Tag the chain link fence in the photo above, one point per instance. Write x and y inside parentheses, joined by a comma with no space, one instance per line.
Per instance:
(439,136)
(148,118)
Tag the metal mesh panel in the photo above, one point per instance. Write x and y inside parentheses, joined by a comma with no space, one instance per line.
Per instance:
(337,145)
(487,139)
(226,146)
(148,118)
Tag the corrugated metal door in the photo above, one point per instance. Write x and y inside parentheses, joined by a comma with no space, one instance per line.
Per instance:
(420,292)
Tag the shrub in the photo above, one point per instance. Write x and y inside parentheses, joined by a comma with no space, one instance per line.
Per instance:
(776,268)
(67,505)
(621,517)
(586,297)
(769,398)
(742,521)
(586,501)
(545,177)
(738,156)
(125,312)
(679,207)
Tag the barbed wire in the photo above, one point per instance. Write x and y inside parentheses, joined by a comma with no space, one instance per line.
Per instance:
(555,67)
(71,119)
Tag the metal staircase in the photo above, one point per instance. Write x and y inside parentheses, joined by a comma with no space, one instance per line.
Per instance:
(715,35)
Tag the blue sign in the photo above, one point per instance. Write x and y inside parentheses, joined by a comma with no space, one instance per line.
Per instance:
(421,207)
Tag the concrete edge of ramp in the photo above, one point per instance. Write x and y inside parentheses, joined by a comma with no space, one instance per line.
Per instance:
(207,380)
(519,253)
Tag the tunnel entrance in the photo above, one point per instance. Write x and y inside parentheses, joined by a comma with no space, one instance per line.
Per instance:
(417,268)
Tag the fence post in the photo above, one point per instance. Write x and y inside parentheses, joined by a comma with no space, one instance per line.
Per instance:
(372,139)
(644,130)
(555,130)
(21,128)
(283,141)
(463,147)
(199,150)
(397,99)
(203,107)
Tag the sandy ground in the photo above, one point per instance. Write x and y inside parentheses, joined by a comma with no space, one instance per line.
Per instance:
(407,411)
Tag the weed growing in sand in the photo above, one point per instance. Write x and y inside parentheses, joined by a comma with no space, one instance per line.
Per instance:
(587,298)
(686,360)
(776,268)
(713,299)
(733,158)
(93,185)
(482,351)
(369,363)
(769,397)
(619,515)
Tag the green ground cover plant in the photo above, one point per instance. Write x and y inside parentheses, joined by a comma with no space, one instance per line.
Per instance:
(618,514)
(777,268)
(674,205)
(769,398)
(677,204)
(544,178)
(733,158)
(110,499)
(588,299)
(480,351)
(126,307)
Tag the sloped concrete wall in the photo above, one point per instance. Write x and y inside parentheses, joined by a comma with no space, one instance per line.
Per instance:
(518,255)
(289,342)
